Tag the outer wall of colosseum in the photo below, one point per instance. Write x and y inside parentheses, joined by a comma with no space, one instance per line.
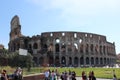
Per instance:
(64,48)
(77,49)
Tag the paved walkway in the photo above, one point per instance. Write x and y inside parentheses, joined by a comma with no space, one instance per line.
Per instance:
(79,78)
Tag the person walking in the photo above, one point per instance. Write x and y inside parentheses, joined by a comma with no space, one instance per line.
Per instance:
(114,77)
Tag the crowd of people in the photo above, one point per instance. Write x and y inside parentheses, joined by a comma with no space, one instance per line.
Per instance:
(90,77)
(17,75)
(55,75)
(70,75)
(51,75)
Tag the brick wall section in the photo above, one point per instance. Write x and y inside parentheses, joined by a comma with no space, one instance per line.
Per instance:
(34,77)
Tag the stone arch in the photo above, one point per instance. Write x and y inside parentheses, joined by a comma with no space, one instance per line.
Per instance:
(101,60)
(81,48)
(69,47)
(91,48)
(92,61)
(104,48)
(82,60)
(87,48)
(63,61)
(70,60)
(45,46)
(35,46)
(87,60)
(105,61)
(57,48)
(76,61)
(100,49)
(63,47)
(57,62)
(96,49)
(96,60)
(51,60)
(30,46)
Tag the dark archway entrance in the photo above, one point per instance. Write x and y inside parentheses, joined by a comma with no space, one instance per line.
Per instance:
(63,61)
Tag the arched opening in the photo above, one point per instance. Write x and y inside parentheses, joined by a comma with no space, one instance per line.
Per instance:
(69,47)
(104,49)
(82,61)
(51,61)
(101,61)
(104,60)
(100,49)
(87,60)
(35,46)
(63,61)
(108,61)
(81,48)
(92,61)
(57,62)
(63,47)
(57,47)
(87,48)
(96,61)
(70,61)
(91,47)
(75,61)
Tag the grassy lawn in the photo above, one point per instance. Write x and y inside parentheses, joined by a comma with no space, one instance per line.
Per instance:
(99,72)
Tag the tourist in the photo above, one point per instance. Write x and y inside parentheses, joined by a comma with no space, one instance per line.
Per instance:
(4,75)
(114,77)
(18,74)
(62,76)
(73,75)
(90,75)
(57,74)
(47,74)
(53,75)
(70,75)
(84,77)
(93,76)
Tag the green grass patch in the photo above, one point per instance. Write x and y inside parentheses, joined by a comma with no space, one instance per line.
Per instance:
(99,72)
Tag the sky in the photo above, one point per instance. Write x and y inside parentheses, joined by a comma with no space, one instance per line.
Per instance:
(37,16)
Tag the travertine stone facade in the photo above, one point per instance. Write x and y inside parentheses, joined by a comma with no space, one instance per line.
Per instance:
(64,48)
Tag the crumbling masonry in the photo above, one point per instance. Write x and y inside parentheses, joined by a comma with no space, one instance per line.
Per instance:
(63,48)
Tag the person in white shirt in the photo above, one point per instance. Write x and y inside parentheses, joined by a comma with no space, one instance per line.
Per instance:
(47,75)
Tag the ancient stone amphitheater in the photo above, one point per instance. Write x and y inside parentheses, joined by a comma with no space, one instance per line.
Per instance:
(63,48)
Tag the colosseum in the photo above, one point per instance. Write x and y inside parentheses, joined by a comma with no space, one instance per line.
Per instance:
(63,48)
